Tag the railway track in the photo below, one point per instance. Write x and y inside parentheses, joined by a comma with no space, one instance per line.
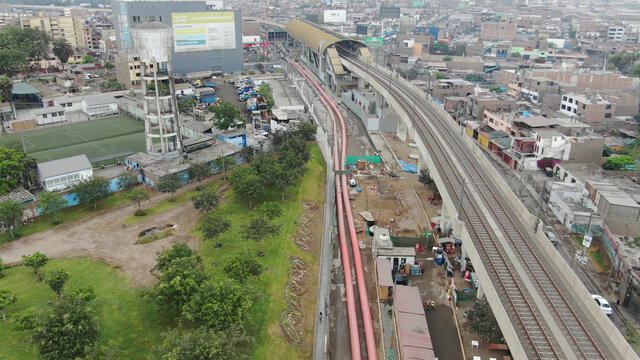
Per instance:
(488,225)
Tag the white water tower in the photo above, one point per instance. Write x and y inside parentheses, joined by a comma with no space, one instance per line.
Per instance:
(153,44)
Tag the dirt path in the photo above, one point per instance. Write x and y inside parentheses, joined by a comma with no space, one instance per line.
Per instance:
(104,236)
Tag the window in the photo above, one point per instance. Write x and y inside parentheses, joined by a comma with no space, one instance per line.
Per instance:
(130,67)
(137,74)
(564,107)
(54,114)
(564,98)
(574,111)
(151,18)
(135,18)
(584,106)
(63,105)
(608,106)
(607,115)
(60,113)
(44,116)
(69,104)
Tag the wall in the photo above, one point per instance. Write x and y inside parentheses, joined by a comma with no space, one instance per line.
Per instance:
(230,60)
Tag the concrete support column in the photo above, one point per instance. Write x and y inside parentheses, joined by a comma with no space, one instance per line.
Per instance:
(480,293)
(401,133)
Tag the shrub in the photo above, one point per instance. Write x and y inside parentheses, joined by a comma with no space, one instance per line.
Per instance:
(140,212)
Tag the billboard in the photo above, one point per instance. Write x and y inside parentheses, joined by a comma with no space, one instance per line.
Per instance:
(372,41)
(335,16)
(204,31)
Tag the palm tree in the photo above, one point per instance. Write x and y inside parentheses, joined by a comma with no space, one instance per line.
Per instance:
(62,50)
(6,92)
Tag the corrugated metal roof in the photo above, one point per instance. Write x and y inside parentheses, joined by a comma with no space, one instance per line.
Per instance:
(408,300)
(64,166)
(311,34)
(24,89)
(383,267)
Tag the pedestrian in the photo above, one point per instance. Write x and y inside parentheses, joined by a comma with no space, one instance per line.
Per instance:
(320,316)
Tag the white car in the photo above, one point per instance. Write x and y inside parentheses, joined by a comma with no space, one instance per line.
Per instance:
(603,304)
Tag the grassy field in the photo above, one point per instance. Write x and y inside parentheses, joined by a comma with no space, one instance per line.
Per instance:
(122,313)
(270,344)
(95,138)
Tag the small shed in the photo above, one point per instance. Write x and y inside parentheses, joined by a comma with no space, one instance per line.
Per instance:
(61,174)
(385,281)
(49,115)
(100,105)
(398,256)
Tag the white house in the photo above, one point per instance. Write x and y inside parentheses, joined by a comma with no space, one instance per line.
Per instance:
(100,105)
(49,115)
(69,103)
(61,174)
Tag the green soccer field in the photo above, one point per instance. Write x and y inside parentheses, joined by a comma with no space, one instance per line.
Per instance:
(98,139)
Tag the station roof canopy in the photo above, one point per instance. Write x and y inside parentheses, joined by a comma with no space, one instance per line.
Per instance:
(315,36)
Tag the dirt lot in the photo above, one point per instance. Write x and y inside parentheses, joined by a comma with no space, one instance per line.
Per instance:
(104,236)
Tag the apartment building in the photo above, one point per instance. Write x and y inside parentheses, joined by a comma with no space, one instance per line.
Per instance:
(128,70)
(590,108)
(452,87)
(478,103)
(580,81)
(615,33)
(497,31)
(71,28)
(537,90)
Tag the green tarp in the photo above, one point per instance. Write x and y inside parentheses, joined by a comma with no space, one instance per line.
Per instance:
(352,159)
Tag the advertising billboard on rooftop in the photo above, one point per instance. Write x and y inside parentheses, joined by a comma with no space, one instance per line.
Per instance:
(335,16)
(204,31)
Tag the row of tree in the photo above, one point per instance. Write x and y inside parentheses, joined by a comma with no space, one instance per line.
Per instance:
(214,312)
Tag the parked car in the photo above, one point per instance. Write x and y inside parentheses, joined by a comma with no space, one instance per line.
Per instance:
(603,303)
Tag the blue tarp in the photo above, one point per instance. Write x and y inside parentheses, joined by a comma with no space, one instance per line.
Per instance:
(409,167)
(210,84)
(210,99)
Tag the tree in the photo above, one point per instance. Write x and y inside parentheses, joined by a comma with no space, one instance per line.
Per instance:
(497,89)
(6,93)
(440,75)
(88,59)
(212,225)
(551,45)
(186,105)
(66,329)
(167,256)
(6,298)
(10,215)
(36,261)
(247,184)
(203,344)
(447,58)
(475,77)
(205,200)
(62,50)
(91,191)
(482,321)
(56,280)
(242,265)
(199,171)
(425,179)
(411,74)
(127,181)
(20,48)
(223,163)
(271,210)
(12,169)
(178,283)
(225,115)
(219,306)
(171,184)
(108,65)
(1,269)
(259,228)
(51,203)
(267,94)
(307,130)
(259,67)
(111,84)
(618,162)
(137,195)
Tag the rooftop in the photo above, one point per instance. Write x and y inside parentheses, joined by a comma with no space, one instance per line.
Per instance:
(383,267)
(20,195)
(99,99)
(64,166)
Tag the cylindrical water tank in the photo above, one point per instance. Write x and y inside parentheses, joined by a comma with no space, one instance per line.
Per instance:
(153,42)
